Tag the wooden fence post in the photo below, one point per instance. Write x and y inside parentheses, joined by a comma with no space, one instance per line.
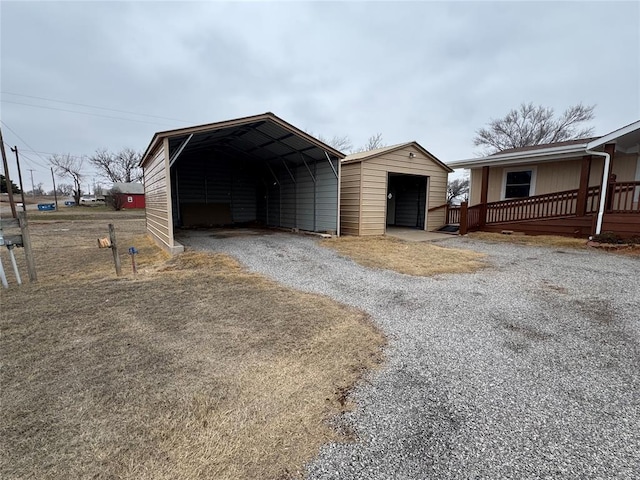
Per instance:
(463,218)
(26,244)
(114,249)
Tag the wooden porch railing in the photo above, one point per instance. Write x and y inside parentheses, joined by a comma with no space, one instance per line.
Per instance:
(622,197)
(551,205)
(474,215)
(453,214)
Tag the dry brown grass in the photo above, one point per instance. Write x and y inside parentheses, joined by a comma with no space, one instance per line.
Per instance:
(534,240)
(553,241)
(192,369)
(411,258)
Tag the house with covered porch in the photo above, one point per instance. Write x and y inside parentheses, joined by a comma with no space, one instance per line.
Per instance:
(578,188)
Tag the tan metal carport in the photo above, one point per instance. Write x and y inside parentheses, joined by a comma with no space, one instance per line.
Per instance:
(257,169)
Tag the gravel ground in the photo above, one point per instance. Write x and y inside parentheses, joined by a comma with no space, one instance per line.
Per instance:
(527,369)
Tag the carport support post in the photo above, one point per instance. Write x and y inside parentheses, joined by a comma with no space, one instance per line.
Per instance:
(463,218)
(114,249)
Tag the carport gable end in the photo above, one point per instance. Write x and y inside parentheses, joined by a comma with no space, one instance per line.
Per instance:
(257,169)
(400,185)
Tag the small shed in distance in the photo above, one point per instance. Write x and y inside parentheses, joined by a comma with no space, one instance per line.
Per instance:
(132,194)
(402,185)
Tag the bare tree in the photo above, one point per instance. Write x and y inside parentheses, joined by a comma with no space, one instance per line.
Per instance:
(69,167)
(458,188)
(343,143)
(340,143)
(115,199)
(64,189)
(534,125)
(118,167)
(38,190)
(373,142)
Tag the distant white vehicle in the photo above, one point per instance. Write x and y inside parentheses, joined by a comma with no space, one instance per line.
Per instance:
(87,199)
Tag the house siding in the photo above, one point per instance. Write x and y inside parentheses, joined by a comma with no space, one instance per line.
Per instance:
(625,167)
(553,176)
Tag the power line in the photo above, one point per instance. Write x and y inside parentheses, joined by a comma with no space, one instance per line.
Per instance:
(94,106)
(27,158)
(30,160)
(82,155)
(22,139)
(88,113)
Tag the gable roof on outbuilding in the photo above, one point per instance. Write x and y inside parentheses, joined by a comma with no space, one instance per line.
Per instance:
(369,154)
(132,188)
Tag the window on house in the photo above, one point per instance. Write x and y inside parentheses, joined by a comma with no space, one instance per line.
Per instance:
(518,184)
(130,199)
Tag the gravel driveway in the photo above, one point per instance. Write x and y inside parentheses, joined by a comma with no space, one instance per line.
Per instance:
(527,369)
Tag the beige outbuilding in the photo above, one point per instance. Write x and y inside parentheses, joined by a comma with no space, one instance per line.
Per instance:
(402,185)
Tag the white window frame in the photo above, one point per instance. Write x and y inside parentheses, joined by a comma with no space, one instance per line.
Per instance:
(129,199)
(519,168)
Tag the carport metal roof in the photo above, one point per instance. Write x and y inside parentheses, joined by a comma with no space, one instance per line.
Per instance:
(264,137)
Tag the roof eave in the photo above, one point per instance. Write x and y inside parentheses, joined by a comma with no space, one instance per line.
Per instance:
(611,137)
(547,154)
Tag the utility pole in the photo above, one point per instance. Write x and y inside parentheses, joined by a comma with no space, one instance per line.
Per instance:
(6,177)
(33,188)
(24,205)
(55,193)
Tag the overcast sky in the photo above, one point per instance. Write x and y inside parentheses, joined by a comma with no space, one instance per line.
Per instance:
(433,72)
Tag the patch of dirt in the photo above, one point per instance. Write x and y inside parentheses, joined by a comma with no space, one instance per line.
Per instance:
(526,331)
(599,311)
(555,288)
(630,249)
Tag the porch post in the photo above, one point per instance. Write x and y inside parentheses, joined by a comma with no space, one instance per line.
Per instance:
(583,189)
(484,194)
(610,148)
(463,218)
